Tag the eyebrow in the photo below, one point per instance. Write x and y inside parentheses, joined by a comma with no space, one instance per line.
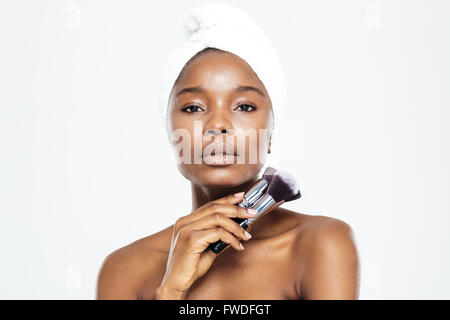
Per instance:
(202,90)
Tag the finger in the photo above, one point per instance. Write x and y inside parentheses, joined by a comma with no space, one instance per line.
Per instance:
(219,220)
(231,211)
(231,199)
(205,237)
(226,204)
(228,210)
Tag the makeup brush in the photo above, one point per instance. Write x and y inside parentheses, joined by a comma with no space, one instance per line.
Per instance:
(257,190)
(251,197)
(282,187)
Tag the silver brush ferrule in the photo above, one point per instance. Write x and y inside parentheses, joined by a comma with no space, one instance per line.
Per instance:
(254,193)
(264,204)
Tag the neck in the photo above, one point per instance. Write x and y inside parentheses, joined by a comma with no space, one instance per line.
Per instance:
(203,194)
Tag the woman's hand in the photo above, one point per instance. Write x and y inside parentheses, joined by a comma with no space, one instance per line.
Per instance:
(192,234)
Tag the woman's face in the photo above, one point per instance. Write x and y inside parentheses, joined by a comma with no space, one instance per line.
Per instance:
(219,99)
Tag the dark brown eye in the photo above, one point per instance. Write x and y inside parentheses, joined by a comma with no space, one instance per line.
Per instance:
(246,107)
(192,109)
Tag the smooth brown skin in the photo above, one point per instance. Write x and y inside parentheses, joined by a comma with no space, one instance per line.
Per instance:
(290,255)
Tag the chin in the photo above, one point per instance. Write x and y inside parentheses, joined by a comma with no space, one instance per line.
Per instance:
(220,176)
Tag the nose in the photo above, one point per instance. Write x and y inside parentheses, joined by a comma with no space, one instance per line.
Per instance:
(215,131)
(218,123)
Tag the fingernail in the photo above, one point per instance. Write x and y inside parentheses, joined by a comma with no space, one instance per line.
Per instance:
(242,247)
(252,211)
(247,235)
(239,194)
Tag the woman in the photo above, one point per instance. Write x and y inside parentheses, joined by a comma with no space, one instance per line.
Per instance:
(288,255)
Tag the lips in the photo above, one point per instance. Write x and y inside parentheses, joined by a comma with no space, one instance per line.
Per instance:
(219,149)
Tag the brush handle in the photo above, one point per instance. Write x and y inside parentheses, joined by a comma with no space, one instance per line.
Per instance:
(218,246)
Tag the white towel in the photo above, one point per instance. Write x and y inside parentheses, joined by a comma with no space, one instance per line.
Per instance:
(226,27)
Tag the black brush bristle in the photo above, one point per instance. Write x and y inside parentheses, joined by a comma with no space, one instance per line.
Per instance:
(297,196)
(282,187)
(269,173)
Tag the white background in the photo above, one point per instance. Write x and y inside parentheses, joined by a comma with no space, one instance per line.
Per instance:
(85,167)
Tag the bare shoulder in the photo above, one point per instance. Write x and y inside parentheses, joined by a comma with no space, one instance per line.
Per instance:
(126,269)
(331,270)
(321,235)
(311,226)
(320,229)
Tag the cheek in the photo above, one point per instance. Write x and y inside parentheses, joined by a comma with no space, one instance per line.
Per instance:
(261,119)
(180,124)
(261,124)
